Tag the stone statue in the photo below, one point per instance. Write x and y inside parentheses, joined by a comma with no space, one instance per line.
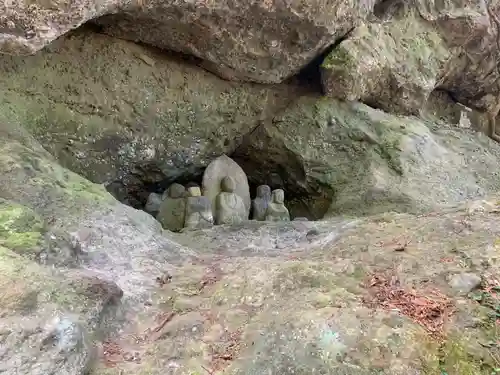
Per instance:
(153,204)
(173,208)
(198,210)
(218,169)
(229,206)
(276,211)
(260,203)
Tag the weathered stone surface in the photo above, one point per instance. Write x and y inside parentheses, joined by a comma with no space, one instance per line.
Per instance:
(419,46)
(214,174)
(393,65)
(333,158)
(272,297)
(275,303)
(465,282)
(261,41)
(95,104)
(470,29)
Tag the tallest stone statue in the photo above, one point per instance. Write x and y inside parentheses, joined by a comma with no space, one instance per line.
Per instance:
(213,178)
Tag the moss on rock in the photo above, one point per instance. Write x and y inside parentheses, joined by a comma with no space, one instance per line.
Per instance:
(21,229)
(393,65)
(93,103)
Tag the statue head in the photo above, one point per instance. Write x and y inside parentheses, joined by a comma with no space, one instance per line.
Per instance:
(194,191)
(227,184)
(278,196)
(263,191)
(176,191)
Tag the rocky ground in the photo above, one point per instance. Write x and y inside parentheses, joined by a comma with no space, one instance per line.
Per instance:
(356,108)
(89,283)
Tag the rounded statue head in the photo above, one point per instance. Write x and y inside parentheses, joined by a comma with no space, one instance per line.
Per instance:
(194,191)
(278,196)
(263,191)
(176,191)
(227,184)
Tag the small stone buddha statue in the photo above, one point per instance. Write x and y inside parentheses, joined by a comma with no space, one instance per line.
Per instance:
(198,210)
(260,203)
(276,210)
(229,206)
(153,204)
(173,208)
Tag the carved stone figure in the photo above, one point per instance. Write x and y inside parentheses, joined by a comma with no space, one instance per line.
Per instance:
(198,210)
(173,208)
(260,203)
(153,204)
(218,169)
(229,206)
(276,211)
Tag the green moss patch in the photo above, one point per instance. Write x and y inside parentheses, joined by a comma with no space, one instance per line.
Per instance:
(21,229)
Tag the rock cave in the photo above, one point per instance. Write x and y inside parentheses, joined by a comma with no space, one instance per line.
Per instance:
(369,118)
(135,187)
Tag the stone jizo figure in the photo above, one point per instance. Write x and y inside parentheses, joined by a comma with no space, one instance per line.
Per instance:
(229,206)
(153,204)
(198,210)
(276,211)
(261,202)
(218,169)
(173,208)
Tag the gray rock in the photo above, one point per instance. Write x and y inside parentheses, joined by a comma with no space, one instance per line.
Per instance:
(185,108)
(37,347)
(465,282)
(350,158)
(237,40)
(396,64)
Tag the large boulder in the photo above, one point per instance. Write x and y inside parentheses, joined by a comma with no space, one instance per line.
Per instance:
(335,157)
(107,108)
(394,63)
(255,41)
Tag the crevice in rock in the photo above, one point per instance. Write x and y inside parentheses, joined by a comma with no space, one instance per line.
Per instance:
(385,9)
(309,77)
(135,187)
(95,27)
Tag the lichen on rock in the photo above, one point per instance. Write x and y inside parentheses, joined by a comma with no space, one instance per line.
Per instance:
(393,65)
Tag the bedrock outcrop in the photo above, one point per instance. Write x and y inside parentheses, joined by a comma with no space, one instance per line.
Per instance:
(263,41)
(414,48)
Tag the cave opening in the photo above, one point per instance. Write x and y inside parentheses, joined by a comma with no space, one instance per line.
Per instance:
(135,187)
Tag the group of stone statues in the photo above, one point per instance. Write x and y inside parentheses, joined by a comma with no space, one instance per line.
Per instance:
(225,200)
